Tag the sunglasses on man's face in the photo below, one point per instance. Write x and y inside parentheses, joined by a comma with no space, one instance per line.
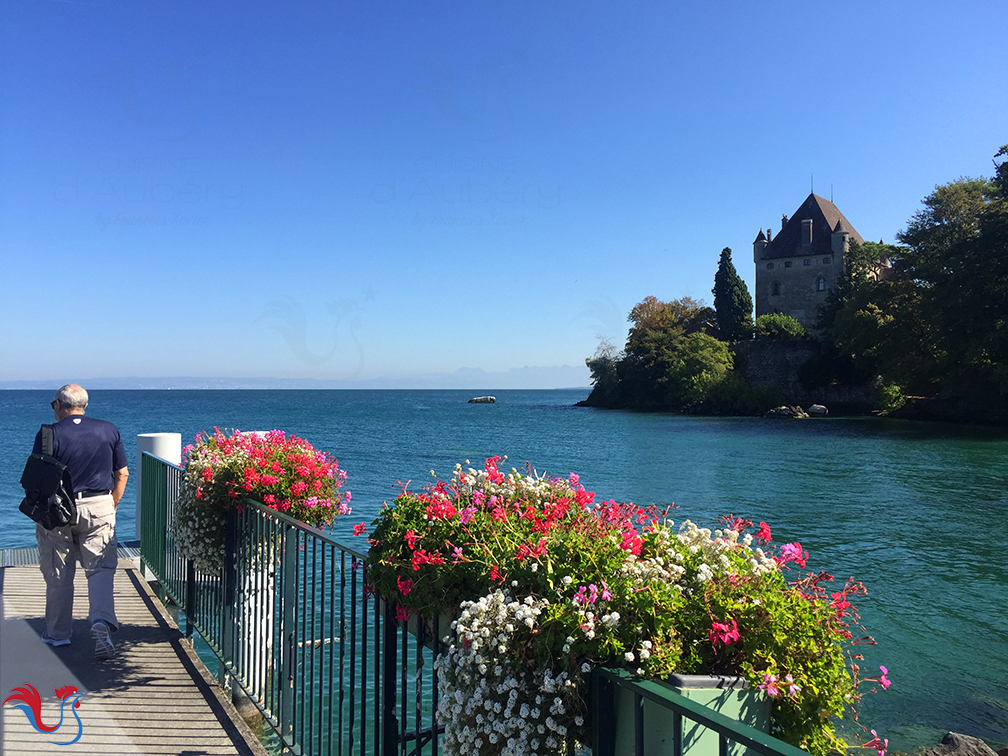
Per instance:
(53,403)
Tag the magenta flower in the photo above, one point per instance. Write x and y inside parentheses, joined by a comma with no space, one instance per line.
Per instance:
(723,633)
(884,681)
(877,743)
(769,685)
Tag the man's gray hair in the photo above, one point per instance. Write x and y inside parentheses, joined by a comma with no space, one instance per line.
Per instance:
(72,396)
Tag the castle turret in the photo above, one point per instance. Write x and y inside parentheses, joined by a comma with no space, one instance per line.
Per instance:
(758,246)
(840,239)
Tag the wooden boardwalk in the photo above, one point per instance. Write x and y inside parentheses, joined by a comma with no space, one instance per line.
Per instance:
(154,696)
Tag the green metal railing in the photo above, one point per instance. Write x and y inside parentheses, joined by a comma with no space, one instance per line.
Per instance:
(293,626)
(604,684)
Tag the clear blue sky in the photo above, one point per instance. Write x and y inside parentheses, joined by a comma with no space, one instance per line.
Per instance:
(389,189)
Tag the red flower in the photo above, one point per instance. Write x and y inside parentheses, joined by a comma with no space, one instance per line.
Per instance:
(763,534)
(401,614)
(411,539)
(405,586)
(207,474)
(359,529)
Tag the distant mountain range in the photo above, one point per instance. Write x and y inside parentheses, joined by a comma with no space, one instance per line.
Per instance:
(560,376)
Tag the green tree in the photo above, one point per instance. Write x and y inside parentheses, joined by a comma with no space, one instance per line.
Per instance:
(775,325)
(604,376)
(732,302)
(957,255)
(700,363)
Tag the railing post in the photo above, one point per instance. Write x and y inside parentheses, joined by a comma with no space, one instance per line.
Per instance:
(190,597)
(230,596)
(288,628)
(390,725)
(603,716)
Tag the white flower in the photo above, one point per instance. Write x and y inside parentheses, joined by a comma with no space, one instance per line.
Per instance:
(629,656)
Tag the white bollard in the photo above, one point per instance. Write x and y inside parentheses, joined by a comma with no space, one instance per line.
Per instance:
(166,446)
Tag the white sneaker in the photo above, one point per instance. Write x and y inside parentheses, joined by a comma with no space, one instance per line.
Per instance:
(54,641)
(103,641)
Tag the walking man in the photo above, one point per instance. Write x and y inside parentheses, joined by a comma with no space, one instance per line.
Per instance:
(93,453)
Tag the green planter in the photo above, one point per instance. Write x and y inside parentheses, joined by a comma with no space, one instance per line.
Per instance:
(730,696)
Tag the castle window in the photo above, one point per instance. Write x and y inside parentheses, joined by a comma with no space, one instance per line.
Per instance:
(787,264)
(820,285)
(807,261)
(775,289)
(826,261)
(769,266)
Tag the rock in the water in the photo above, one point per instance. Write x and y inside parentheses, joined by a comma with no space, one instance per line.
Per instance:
(787,412)
(817,410)
(483,400)
(954,744)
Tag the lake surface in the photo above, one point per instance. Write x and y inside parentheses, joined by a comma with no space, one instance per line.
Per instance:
(918,512)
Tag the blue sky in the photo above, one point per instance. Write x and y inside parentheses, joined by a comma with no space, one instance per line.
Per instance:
(356,191)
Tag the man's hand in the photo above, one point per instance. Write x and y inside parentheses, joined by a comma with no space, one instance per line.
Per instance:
(119,486)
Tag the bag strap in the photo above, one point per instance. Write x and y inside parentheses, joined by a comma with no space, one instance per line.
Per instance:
(47,440)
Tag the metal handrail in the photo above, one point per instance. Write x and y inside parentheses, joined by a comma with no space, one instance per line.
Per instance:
(727,728)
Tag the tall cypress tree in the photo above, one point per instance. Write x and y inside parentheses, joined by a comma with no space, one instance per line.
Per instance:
(731,300)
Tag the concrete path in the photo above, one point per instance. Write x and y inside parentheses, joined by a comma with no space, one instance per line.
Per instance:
(154,696)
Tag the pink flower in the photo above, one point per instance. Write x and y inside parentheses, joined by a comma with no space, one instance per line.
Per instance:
(763,534)
(466,515)
(605,595)
(405,586)
(792,552)
(877,743)
(723,633)
(793,688)
(769,685)
(457,554)
(359,529)
(348,495)
(885,681)
(401,614)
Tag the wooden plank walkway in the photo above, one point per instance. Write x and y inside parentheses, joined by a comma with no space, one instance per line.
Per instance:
(155,695)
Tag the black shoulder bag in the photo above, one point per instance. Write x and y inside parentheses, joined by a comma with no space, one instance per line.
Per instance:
(49,496)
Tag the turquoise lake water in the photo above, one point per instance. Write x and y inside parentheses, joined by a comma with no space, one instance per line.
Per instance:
(918,512)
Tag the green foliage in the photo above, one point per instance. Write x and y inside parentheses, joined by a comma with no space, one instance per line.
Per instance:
(701,363)
(775,325)
(604,376)
(892,398)
(732,302)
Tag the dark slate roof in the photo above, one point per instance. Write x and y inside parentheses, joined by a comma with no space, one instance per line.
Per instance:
(825,218)
(760,237)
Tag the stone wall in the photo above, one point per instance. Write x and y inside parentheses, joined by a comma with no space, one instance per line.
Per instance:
(777,362)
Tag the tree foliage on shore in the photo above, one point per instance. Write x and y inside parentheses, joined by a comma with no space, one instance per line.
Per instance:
(670,363)
(938,325)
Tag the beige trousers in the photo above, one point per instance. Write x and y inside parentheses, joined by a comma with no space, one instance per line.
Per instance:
(92,539)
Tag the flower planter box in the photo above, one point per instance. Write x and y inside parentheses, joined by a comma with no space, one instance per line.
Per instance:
(727,695)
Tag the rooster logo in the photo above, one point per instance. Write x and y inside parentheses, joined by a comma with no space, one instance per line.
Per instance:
(26,698)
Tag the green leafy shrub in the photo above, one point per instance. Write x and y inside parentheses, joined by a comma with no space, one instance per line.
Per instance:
(775,325)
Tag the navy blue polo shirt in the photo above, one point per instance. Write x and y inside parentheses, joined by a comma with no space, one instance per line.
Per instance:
(90,448)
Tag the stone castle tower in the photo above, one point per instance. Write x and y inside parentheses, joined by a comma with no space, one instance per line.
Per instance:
(795,269)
